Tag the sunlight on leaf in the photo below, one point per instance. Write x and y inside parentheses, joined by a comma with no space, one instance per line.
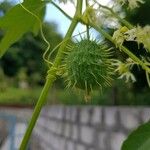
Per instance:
(18,21)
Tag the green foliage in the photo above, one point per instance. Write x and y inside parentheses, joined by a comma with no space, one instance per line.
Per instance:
(16,96)
(111,96)
(12,60)
(27,53)
(4,7)
(3,84)
(70,97)
(18,21)
(140,15)
(138,139)
(87,64)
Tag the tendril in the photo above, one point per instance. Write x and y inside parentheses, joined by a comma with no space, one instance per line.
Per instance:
(42,33)
(45,57)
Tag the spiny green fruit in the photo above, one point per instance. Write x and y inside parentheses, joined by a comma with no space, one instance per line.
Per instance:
(88,65)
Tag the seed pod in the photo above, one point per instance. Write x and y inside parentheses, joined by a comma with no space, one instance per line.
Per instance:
(88,65)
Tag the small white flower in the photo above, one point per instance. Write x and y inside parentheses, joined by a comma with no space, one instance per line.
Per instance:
(122,2)
(138,34)
(143,36)
(128,76)
(119,36)
(134,3)
(130,35)
(123,69)
(89,15)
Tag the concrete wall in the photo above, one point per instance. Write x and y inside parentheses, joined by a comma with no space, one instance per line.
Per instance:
(86,127)
(13,122)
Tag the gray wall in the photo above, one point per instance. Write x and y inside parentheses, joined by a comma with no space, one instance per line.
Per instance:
(87,127)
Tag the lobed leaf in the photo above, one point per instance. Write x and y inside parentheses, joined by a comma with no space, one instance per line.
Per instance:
(17,21)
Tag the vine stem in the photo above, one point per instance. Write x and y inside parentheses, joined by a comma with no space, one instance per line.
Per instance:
(62,11)
(87,26)
(50,78)
(124,49)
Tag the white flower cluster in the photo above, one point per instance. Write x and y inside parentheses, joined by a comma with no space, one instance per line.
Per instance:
(143,36)
(138,34)
(89,15)
(131,3)
(106,19)
(123,69)
(119,36)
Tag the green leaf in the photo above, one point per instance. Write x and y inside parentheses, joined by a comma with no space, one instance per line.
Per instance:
(18,21)
(138,139)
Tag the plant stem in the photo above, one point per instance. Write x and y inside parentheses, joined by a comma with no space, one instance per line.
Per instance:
(65,14)
(87,26)
(147,78)
(87,31)
(50,78)
(124,49)
(36,112)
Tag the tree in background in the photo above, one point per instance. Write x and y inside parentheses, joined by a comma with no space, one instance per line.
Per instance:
(26,54)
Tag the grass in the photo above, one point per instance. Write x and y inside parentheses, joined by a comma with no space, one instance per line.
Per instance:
(16,96)
(70,97)
(25,97)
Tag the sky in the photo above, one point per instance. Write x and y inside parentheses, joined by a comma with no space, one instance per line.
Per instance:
(52,14)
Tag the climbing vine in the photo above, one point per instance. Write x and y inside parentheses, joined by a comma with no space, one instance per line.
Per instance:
(87,64)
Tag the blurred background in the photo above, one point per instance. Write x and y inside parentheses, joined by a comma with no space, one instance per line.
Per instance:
(23,72)
(22,67)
